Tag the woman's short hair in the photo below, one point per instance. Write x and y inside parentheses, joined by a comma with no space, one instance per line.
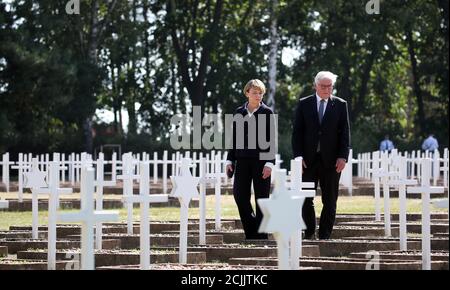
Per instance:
(256,84)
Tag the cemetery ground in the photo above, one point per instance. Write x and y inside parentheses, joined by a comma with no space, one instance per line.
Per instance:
(346,205)
(358,241)
(388,215)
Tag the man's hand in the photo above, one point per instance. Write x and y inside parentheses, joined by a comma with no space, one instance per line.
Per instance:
(340,165)
(229,168)
(266,172)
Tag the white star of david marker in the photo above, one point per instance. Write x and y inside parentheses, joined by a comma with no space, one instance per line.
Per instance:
(185,185)
(281,211)
(35,178)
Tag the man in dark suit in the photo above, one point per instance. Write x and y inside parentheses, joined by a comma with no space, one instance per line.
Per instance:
(321,136)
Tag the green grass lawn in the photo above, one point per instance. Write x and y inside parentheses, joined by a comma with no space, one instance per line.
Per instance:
(346,205)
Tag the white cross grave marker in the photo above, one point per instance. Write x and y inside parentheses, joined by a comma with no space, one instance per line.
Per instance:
(99,184)
(204,180)
(402,182)
(145,198)
(385,174)
(35,180)
(376,174)
(53,190)
(218,175)
(88,218)
(128,176)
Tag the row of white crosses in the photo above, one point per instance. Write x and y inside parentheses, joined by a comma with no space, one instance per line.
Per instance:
(36,180)
(210,173)
(426,190)
(175,162)
(75,162)
(440,165)
(282,215)
(402,182)
(5,164)
(21,167)
(89,217)
(24,164)
(398,177)
(214,176)
(414,164)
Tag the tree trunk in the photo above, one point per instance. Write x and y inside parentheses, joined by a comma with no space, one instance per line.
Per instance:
(415,80)
(147,45)
(360,102)
(273,55)
(173,79)
(344,91)
(94,39)
(92,58)
(132,120)
(115,104)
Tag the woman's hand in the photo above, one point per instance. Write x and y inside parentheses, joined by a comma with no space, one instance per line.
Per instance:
(340,165)
(266,172)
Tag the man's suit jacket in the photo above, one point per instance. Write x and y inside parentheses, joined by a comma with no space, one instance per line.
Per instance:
(333,132)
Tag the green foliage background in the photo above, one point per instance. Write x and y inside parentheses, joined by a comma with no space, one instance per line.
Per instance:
(392,67)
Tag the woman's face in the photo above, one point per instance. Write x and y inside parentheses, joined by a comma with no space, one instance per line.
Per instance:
(254,95)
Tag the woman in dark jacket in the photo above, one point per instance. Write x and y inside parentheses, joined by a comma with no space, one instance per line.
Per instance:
(248,161)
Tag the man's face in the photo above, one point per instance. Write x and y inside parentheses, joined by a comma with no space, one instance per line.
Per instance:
(324,88)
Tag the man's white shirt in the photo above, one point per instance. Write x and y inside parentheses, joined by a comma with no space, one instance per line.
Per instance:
(324,105)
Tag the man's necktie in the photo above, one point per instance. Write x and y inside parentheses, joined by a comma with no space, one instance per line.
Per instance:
(321,107)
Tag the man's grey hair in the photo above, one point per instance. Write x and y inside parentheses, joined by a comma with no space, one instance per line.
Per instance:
(325,75)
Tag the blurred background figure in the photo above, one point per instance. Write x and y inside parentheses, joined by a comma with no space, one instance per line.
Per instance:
(430,144)
(386,144)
